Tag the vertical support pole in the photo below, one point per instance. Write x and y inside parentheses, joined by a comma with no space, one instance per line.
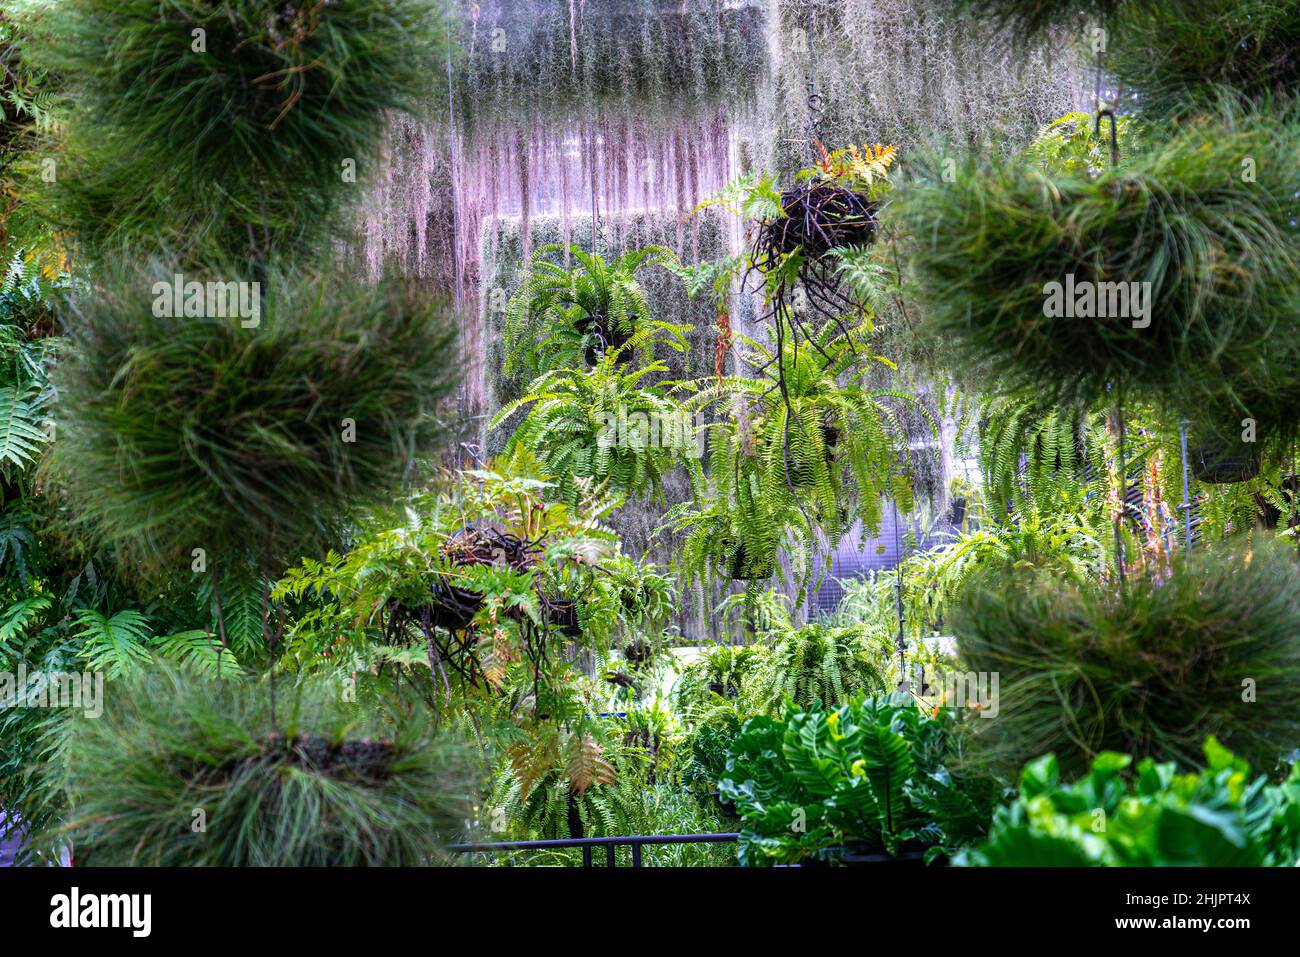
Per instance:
(609,855)
(1187,498)
(636,853)
(898,581)
(1121,469)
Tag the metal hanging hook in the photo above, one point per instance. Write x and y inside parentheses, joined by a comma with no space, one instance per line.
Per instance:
(1104,111)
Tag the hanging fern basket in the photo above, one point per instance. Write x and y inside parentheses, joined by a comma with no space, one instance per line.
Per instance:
(604,335)
(743,568)
(638,652)
(451,607)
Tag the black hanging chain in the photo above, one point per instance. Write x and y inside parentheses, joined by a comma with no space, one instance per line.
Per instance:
(815,103)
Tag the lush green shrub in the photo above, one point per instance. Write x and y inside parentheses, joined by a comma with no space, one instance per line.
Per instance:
(1216,240)
(1181,55)
(181,771)
(1218,817)
(867,776)
(1150,669)
(706,763)
(234,148)
(254,444)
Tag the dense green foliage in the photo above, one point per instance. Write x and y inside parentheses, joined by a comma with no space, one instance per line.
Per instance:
(336,632)
(178,434)
(803,450)
(609,423)
(817,665)
(1148,816)
(1215,241)
(867,777)
(562,317)
(1183,55)
(1034,16)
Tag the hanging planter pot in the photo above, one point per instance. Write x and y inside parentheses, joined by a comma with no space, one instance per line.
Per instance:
(364,759)
(605,336)
(1219,460)
(562,613)
(1270,516)
(452,608)
(638,652)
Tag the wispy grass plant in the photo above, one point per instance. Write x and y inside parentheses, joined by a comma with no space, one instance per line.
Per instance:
(183,771)
(257,443)
(224,127)
(1150,669)
(1208,220)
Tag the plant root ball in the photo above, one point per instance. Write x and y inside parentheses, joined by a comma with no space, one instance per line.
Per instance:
(819,217)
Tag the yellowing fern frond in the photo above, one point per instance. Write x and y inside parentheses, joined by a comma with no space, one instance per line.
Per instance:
(587,764)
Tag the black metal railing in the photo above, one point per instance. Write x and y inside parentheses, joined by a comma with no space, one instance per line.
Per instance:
(636,842)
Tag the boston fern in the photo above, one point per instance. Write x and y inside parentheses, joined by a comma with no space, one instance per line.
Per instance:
(817,665)
(1043,460)
(830,445)
(606,423)
(868,776)
(562,317)
(806,448)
